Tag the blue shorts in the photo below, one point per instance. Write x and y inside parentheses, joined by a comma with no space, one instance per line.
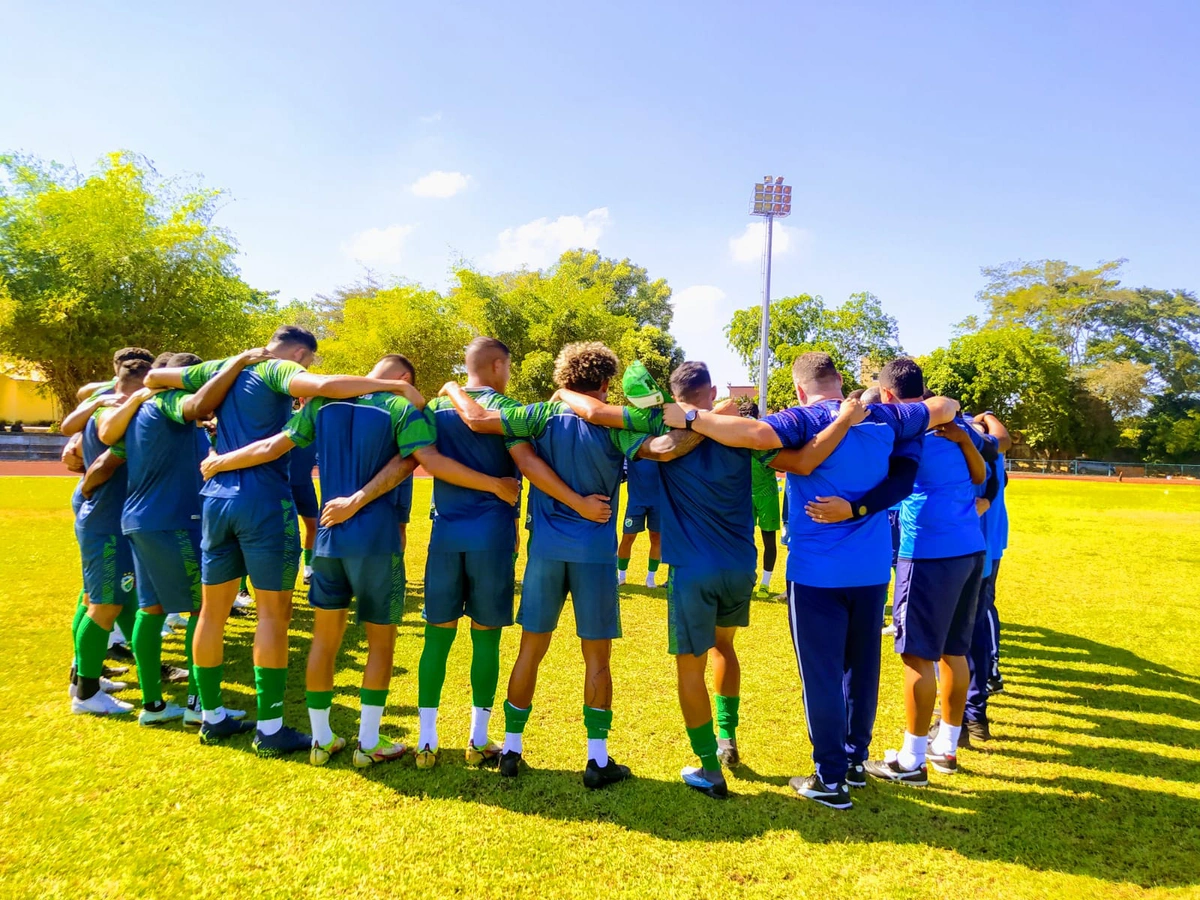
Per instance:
(475,583)
(934,605)
(246,537)
(700,602)
(167,565)
(305,497)
(640,518)
(404,494)
(593,590)
(377,581)
(108,575)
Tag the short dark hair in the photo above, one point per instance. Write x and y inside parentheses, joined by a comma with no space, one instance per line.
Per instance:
(294,334)
(399,359)
(689,379)
(128,353)
(483,351)
(855,395)
(814,368)
(747,408)
(902,376)
(179,360)
(132,368)
(585,366)
(161,361)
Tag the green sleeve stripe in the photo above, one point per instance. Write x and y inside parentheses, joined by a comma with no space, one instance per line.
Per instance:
(301,428)
(628,442)
(118,449)
(171,405)
(277,374)
(195,377)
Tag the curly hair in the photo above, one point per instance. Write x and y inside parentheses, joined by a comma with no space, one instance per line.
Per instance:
(585,366)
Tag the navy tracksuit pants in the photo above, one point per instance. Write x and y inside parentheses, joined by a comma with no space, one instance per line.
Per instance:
(983,647)
(835,633)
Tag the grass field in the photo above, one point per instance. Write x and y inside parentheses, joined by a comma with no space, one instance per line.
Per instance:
(1091,789)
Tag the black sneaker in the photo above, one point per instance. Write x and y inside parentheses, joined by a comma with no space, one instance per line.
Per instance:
(173,674)
(946,763)
(856,775)
(727,753)
(813,788)
(979,731)
(286,740)
(213,733)
(996,684)
(119,651)
(596,777)
(510,763)
(964,736)
(888,769)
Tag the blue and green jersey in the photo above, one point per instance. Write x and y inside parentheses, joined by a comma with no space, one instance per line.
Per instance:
(101,513)
(162,452)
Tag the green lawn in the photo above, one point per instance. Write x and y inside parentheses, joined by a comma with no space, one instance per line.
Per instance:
(1091,789)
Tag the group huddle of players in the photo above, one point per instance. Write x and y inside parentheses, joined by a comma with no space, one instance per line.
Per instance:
(188,490)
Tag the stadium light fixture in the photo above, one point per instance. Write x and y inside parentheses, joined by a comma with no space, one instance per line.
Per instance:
(772,200)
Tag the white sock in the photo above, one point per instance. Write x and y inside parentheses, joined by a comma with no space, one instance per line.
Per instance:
(621,573)
(513,743)
(428,736)
(308,571)
(946,741)
(212,716)
(766,578)
(912,752)
(319,720)
(368,726)
(269,726)
(480,717)
(598,750)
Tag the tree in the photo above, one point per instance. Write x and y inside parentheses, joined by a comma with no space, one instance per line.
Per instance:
(1157,329)
(629,290)
(1121,385)
(120,257)
(1170,432)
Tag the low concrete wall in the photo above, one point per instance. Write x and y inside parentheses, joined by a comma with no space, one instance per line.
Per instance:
(31,446)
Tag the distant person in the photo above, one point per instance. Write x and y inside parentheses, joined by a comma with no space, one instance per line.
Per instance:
(765,493)
(18,428)
(641,514)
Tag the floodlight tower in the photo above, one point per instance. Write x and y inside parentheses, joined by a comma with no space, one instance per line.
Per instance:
(772,200)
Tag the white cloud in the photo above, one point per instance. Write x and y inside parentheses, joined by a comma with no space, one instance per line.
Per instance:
(539,243)
(440,184)
(378,246)
(431,118)
(748,246)
(701,313)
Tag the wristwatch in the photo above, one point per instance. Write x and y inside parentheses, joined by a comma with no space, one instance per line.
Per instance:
(859,510)
(689,417)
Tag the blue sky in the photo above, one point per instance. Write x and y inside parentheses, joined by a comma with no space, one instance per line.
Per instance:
(923,140)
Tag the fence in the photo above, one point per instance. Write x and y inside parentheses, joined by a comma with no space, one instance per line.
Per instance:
(1099,467)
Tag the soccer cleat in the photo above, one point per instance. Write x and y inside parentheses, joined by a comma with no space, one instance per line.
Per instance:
(385,751)
(286,740)
(946,763)
(110,671)
(243,600)
(510,763)
(426,758)
(112,687)
(194,718)
(319,754)
(727,753)
(995,684)
(889,769)
(175,620)
(482,756)
(168,713)
(215,732)
(120,651)
(813,788)
(173,674)
(100,704)
(595,777)
(856,776)
(763,592)
(711,784)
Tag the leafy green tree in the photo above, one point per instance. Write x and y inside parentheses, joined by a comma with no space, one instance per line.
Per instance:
(1122,385)
(629,290)
(1170,432)
(119,257)
(1159,329)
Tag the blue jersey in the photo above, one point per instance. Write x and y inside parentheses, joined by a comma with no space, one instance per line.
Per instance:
(301,462)
(588,458)
(355,439)
(856,552)
(996,518)
(465,519)
(643,483)
(938,520)
(101,513)
(163,452)
(257,406)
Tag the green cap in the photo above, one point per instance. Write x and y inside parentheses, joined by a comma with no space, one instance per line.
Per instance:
(640,388)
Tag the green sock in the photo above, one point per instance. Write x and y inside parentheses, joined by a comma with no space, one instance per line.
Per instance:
(654,564)
(91,646)
(208,683)
(80,613)
(308,555)
(515,719)
(727,717)
(127,618)
(147,653)
(269,686)
(189,638)
(318,699)
(704,745)
(431,673)
(485,666)
(622,564)
(372,696)
(598,722)
(244,586)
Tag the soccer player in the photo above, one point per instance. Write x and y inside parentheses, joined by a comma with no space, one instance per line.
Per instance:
(837,573)
(942,559)
(108,577)
(157,435)
(360,555)
(569,554)
(249,528)
(641,514)
(301,462)
(765,489)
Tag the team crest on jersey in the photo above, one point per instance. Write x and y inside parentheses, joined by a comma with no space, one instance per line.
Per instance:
(127,582)
(629,523)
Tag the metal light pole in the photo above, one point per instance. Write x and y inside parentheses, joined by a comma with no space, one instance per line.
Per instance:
(772,200)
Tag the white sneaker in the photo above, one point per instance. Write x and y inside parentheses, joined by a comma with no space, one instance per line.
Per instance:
(193,718)
(108,686)
(242,600)
(888,631)
(168,713)
(175,620)
(651,580)
(307,574)
(100,704)
(621,573)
